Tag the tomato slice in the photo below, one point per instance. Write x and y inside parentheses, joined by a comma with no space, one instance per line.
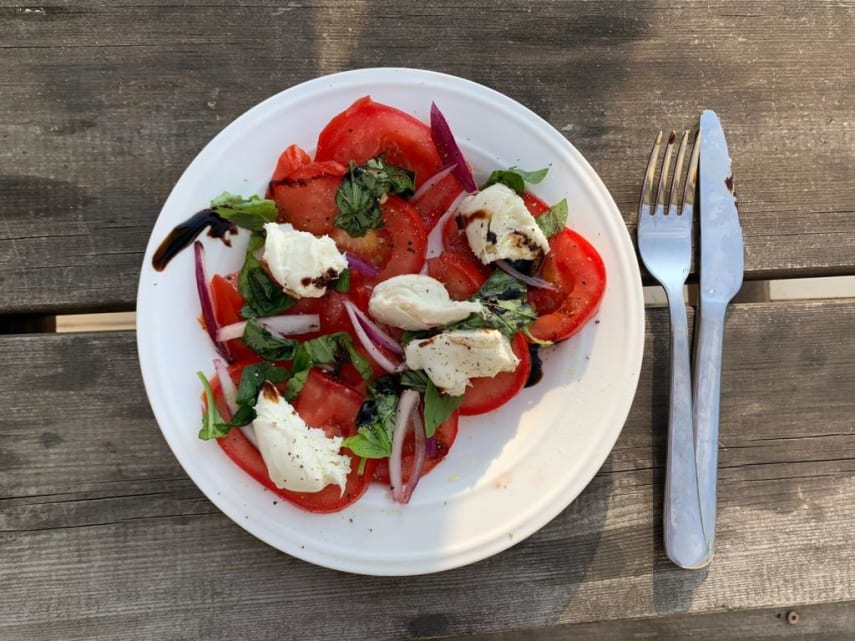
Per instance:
(367,129)
(577,269)
(536,206)
(322,403)
(398,248)
(490,392)
(436,199)
(289,160)
(305,197)
(227,303)
(444,438)
(461,276)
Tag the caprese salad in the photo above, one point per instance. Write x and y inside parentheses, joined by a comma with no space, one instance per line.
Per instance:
(383,294)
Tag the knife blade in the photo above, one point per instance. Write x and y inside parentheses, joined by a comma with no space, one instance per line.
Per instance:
(721,271)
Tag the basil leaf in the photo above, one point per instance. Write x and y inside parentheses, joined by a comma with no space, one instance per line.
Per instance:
(213,423)
(375,427)
(250,213)
(438,407)
(505,304)
(358,197)
(267,345)
(515,178)
(554,220)
(251,380)
(263,295)
(342,283)
(416,379)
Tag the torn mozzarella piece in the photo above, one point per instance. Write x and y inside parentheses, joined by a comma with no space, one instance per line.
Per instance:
(298,457)
(500,227)
(303,264)
(450,359)
(416,301)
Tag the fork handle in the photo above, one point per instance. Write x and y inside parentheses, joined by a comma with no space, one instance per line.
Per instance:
(684,535)
(709,340)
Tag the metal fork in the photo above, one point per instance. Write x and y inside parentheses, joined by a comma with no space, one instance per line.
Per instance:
(665,245)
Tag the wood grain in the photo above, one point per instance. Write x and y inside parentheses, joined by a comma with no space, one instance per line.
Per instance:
(102,536)
(103,104)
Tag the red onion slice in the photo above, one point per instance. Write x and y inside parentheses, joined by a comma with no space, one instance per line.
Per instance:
(372,349)
(359,265)
(227,385)
(205,299)
(406,404)
(534,281)
(448,149)
(374,332)
(419,453)
(427,185)
(276,325)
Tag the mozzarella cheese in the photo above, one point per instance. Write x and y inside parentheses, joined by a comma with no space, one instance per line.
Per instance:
(499,226)
(415,301)
(302,263)
(298,457)
(450,359)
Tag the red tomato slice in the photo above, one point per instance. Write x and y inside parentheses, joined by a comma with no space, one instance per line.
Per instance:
(445,435)
(398,248)
(367,129)
(227,305)
(535,205)
(490,392)
(289,160)
(305,197)
(323,403)
(437,198)
(575,266)
(462,277)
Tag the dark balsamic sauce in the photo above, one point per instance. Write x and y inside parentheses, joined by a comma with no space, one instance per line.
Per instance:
(185,233)
(536,365)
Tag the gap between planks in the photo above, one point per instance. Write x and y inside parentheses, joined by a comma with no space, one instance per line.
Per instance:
(752,292)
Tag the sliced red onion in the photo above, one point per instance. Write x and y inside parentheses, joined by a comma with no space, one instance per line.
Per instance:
(534,281)
(205,299)
(227,385)
(359,265)
(406,405)
(427,185)
(419,453)
(431,449)
(374,333)
(449,151)
(276,325)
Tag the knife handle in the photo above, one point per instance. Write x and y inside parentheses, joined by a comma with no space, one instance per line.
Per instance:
(709,340)
(684,537)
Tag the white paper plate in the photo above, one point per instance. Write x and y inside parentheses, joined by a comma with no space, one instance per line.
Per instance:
(510,472)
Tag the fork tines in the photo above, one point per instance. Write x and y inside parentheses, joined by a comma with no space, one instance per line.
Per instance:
(651,205)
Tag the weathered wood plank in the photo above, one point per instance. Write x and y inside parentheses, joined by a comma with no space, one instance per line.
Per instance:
(97,119)
(103,536)
(825,622)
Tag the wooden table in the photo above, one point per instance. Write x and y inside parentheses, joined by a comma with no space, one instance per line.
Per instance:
(102,105)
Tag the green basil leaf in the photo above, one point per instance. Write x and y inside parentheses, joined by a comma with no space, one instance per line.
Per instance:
(515,178)
(358,197)
(342,283)
(266,345)
(416,379)
(375,427)
(554,220)
(438,407)
(505,306)
(263,295)
(213,423)
(250,213)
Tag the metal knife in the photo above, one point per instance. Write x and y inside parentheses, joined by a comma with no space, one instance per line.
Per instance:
(721,269)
